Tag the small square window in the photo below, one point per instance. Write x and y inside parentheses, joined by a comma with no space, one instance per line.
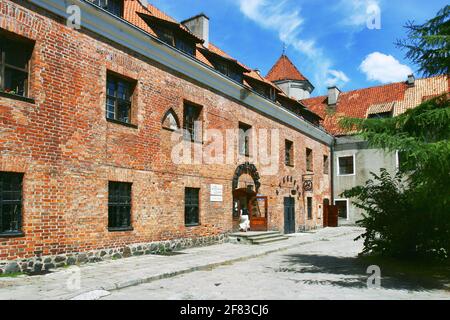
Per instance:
(346,166)
(119,206)
(191,207)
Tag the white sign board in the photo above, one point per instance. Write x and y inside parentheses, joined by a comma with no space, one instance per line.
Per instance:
(216,193)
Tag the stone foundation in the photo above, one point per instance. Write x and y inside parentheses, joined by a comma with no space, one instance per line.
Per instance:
(39,264)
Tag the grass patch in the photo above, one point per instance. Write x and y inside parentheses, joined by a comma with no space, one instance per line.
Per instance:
(11,275)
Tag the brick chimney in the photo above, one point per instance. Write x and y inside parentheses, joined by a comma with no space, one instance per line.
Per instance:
(333,95)
(199,25)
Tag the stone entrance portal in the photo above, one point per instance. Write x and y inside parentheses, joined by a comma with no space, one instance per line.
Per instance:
(247,201)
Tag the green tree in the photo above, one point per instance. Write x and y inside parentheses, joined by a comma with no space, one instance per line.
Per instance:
(409,214)
(428,45)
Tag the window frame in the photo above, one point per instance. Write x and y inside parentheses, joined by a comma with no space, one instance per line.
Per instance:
(289,153)
(244,145)
(195,133)
(195,205)
(339,174)
(326,164)
(18,232)
(11,37)
(117,79)
(118,204)
(347,201)
(309,159)
(309,209)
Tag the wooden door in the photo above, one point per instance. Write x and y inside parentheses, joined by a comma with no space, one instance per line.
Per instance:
(258,213)
(289,215)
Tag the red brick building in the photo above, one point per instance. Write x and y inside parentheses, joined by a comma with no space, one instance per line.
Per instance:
(89,119)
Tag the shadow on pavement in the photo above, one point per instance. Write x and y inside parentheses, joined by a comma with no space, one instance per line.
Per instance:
(354,273)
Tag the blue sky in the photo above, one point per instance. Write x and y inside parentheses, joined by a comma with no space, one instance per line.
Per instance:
(328,40)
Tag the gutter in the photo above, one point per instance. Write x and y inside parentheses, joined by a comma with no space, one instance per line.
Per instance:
(107,25)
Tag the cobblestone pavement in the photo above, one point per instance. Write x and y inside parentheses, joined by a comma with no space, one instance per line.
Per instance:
(319,265)
(326,269)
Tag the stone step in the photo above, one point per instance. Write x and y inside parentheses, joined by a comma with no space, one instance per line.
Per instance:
(270,240)
(264,236)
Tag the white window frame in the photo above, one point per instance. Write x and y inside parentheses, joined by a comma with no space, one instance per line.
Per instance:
(348,207)
(354,165)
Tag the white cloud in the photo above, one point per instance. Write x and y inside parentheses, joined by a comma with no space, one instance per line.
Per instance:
(384,68)
(279,16)
(358,12)
(337,77)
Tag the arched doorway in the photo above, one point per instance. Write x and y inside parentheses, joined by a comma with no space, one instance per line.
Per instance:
(247,201)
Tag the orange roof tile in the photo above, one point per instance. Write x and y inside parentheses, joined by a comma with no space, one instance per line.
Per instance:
(284,69)
(357,103)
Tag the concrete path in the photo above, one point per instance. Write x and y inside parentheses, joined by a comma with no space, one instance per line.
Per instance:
(94,281)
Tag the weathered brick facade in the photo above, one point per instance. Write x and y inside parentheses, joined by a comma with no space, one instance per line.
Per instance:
(68,151)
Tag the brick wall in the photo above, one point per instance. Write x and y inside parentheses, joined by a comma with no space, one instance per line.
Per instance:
(69,152)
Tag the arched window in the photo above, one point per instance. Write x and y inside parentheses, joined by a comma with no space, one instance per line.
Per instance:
(170,121)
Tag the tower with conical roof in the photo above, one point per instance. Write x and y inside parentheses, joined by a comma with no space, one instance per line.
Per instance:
(293,83)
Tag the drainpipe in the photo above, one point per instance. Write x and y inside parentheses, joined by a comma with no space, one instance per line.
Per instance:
(332,171)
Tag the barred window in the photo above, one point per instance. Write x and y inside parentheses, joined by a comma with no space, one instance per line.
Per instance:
(119,206)
(10,203)
(118,99)
(191,207)
(15,54)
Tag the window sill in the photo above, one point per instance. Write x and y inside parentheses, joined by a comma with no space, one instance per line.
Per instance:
(120,229)
(192,225)
(192,141)
(16,97)
(289,165)
(126,124)
(12,234)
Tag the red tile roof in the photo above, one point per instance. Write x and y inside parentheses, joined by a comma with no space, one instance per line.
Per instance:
(284,69)
(358,103)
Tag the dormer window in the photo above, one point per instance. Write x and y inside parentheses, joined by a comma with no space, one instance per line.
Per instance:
(229,71)
(172,33)
(113,6)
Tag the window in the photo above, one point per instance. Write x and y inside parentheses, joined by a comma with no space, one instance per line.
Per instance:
(119,206)
(229,71)
(118,98)
(289,153)
(346,165)
(382,115)
(192,122)
(185,46)
(309,160)
(15,55)
(113,6)
(342,208)
(191,207)
(244,139)
(10,203)
(326,164)
(309,206)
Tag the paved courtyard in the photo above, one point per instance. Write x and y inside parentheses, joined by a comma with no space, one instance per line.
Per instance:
(326,269)
(318,265)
